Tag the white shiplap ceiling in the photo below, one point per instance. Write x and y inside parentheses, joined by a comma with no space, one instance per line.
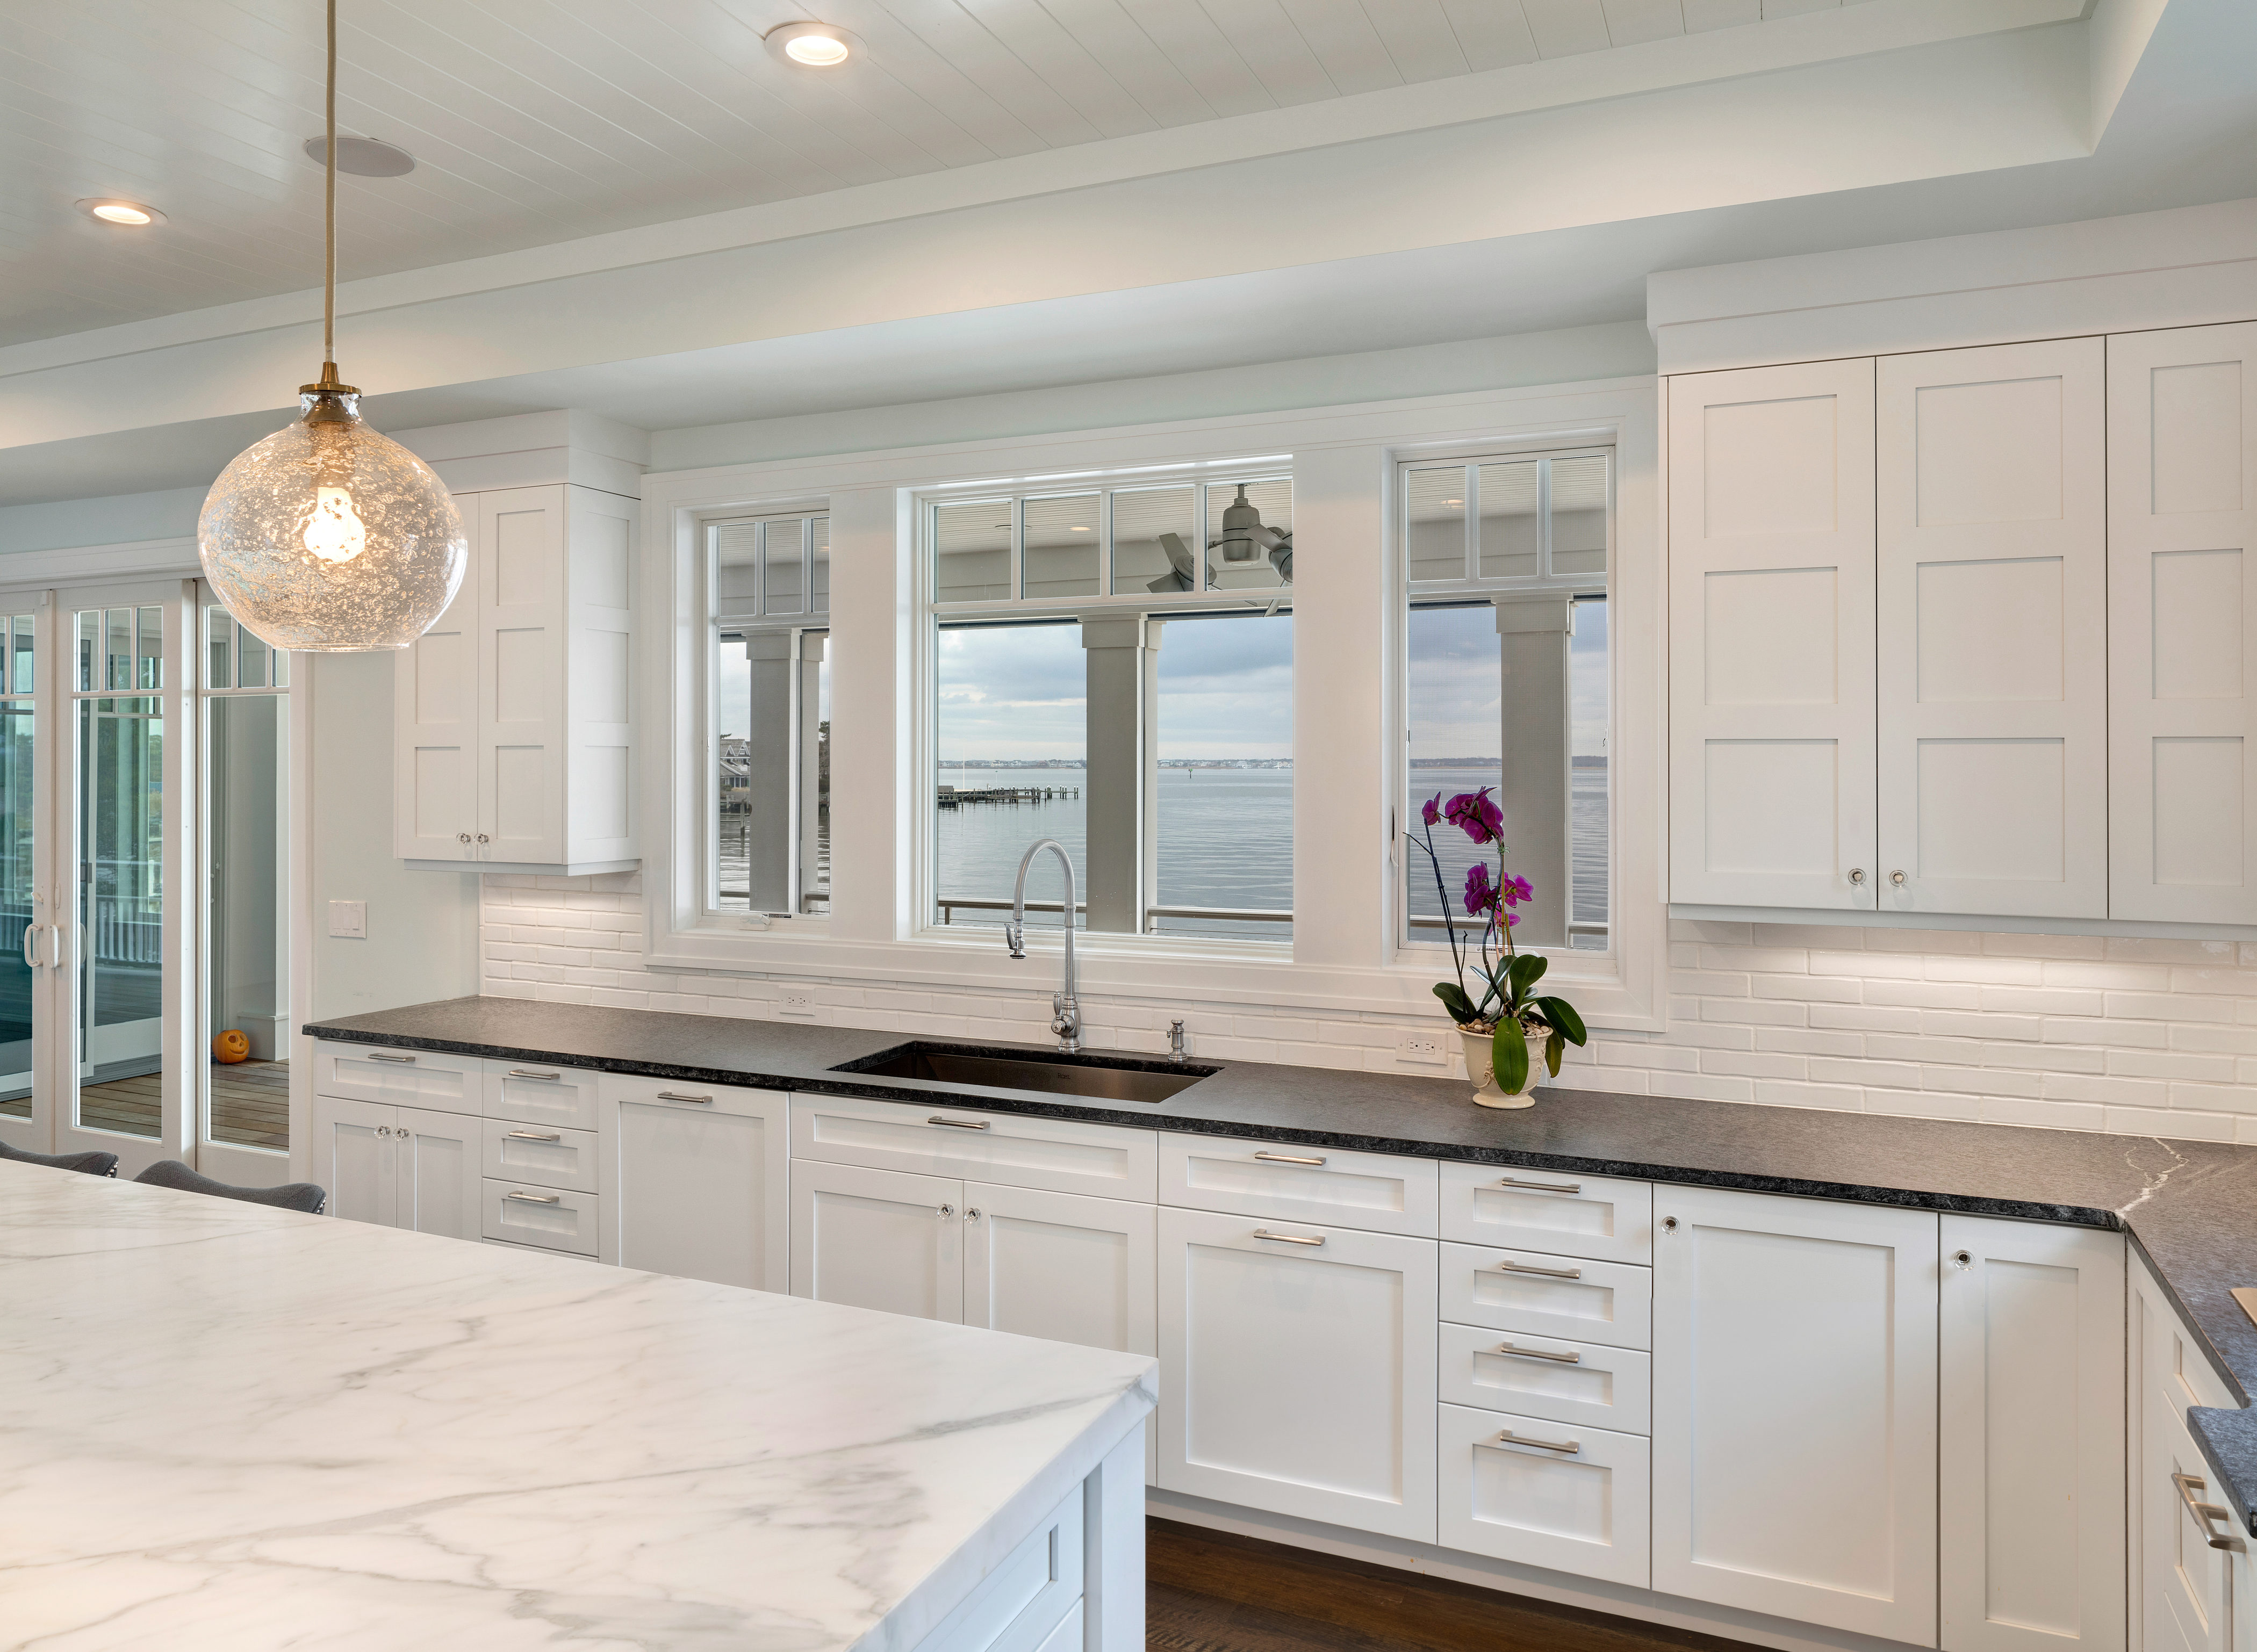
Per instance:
(539,121)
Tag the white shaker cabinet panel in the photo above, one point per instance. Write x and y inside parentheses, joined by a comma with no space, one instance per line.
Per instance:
(354,1160)
(548,1157)
(1297,1370)
(1584,1382)
(1795,1430)
(695,1183)
(1544,1493)
(878,1238)
(1770,625)
(1991,608)
(2182,624)
(1385,1192)
(440,1177)
(402,1077)
(434,712)
(2031,1435)
(1548,1296)
(2189,1568)
(1062,1155)
(1061,1267)
(550,1218)
(519,572)
(535,1093)
(1603,1217)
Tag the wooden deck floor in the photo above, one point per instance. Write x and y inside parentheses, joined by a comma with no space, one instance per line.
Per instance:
(250,1105)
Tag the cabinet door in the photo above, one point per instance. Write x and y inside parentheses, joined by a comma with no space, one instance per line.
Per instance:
(520,688)
(1992,619)
(1297,1367)
(1771,636)
(2032,1432)
(1061,1267)
(600,618)
(2187,1598)
(878,1238)
(1794,1436)
(698,1189)
(1545,1494)
(2182,624)
(435,724)
(354,1159)
(401,1078)
(1594,1215)
(440,1184)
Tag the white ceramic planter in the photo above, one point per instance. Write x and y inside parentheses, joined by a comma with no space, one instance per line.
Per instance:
(1479,1067)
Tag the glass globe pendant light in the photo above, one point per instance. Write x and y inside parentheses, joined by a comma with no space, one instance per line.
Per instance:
(327,537)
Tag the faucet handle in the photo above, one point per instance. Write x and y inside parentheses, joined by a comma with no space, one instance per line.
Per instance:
(1014,937)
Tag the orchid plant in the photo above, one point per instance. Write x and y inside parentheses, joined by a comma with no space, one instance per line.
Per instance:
(1509,1006)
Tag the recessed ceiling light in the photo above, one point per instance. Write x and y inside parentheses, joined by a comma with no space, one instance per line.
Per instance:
(362,157)
(130,214)
(812,45)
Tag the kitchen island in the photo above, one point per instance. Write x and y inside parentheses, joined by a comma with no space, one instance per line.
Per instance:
(233,1427)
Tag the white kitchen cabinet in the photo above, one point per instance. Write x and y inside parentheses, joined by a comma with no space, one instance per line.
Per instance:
(400,1167)
(2190,1565)
(2182,624)
(1770,623)
(400,1078)
(1297,1370)
(2031,1427)
(1794,1409)
(513,715)
(1604,1218)
(1579,1382)
(694,1180)
(878,1238)
(1061,1266)
(1548,1295)
(1572,1499)
(1062,1155)
(1992,619)
(1385,1192)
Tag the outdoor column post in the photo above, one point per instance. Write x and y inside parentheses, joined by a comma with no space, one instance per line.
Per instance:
(768,772)
(1118,654)
(1531,633)
(807,841)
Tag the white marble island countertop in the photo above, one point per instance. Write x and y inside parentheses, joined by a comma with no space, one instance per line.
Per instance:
(230,1427)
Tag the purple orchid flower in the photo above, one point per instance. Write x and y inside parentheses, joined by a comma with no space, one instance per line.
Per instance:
(1516,890)
(1482,896)
(1475,814)
(1433,811)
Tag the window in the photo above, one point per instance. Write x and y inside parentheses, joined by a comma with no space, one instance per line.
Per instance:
(1507,558)
(768,811)
(1113,669)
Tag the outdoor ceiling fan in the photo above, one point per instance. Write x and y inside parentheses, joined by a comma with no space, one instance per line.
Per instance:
(1244,540)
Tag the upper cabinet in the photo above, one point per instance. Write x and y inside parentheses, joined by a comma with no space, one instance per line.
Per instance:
(513,715)
(1962,632)
(2182,609)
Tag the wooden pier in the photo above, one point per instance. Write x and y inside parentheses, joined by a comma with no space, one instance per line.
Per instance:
(952,796)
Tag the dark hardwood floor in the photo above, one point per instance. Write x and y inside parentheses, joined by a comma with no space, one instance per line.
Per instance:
(1214,1592)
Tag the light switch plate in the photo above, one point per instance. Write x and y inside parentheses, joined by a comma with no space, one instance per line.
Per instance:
(349,919)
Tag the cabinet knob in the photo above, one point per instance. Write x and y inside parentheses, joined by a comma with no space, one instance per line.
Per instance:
(1963,1258)
(482,837)
(972,1215)
(1856,874)
(1669,1223)
(947,1210)
(463,838)
(1897,878)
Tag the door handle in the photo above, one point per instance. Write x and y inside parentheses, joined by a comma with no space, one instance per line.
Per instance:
(535,1198)
(519,1072)
(1287,1238)
(668,1095)
(30,934)
(534,1135)
(1284,1158)
(1566,1448)
(1510,1266)
(958,1124)
(1540,1187)
(379,1055)
(1539,1353)
(2205,1514)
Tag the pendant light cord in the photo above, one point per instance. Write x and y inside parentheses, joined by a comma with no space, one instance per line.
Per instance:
(329,209)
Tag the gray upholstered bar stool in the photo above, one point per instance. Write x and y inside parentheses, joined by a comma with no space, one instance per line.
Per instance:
(89,1163)
(308,1197)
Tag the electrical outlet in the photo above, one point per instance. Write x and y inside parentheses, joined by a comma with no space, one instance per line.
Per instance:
(797,1003)
(349,919)
(1422,1048)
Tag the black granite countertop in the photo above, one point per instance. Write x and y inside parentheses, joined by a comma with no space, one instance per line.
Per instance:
(2186,1204)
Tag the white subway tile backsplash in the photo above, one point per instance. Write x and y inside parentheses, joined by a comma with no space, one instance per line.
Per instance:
(2152,1038)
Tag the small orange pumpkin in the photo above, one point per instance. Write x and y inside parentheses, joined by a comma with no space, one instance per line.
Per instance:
(231,1047)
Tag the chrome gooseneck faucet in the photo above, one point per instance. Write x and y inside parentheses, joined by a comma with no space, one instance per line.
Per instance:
(1065,1017)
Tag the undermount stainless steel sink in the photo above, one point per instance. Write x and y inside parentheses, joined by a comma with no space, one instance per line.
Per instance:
(1097,1078)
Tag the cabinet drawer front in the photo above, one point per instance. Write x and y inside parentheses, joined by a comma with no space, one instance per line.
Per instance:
(399,1077)
(1586,1510)
(546,1158)
(535,1093)
(1585,1383)
(1019,1604)
(1567,1215)
(549,1218)
(1609,1302)
(1062,1155)
(1377,1191)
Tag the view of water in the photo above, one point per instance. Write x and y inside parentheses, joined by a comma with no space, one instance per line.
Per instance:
(1226,840)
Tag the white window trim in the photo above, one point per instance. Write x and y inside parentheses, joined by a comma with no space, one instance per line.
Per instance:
(1345,960)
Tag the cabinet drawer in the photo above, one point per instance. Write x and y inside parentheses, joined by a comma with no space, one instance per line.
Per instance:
(1064,1155)
(399,1078)
(1609,1302)
(553,1219)
(1377,1191)
(1032,1592)
(536,1094)
(1585,1383)
(1584,1505)
(1598,1217)
(533,1153)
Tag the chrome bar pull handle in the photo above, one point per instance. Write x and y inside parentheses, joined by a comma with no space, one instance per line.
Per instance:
(958,1124)
(1284,1158)
(2206,1514)
(535,1198)
(1566,1448)
(1287,1238)
(1541,1187)
(675,1095)
(378,1055)
(534,1135)
(1509,1266)
(1539,1353)
(522,1072)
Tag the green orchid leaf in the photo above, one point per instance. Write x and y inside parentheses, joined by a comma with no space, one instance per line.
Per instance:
(1509,1056)
(1554,1047)
(1454,1000)
(1559,1014)
(1527,969)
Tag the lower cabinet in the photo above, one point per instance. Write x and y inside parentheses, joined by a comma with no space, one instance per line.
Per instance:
(693,1181)
(400,1167)
(1794,1409)
(1296,1370)
(2192,1587)
(878,1238)
(1544,1493)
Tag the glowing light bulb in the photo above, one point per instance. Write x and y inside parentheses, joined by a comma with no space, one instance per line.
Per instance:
(334,531)
(817,51)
